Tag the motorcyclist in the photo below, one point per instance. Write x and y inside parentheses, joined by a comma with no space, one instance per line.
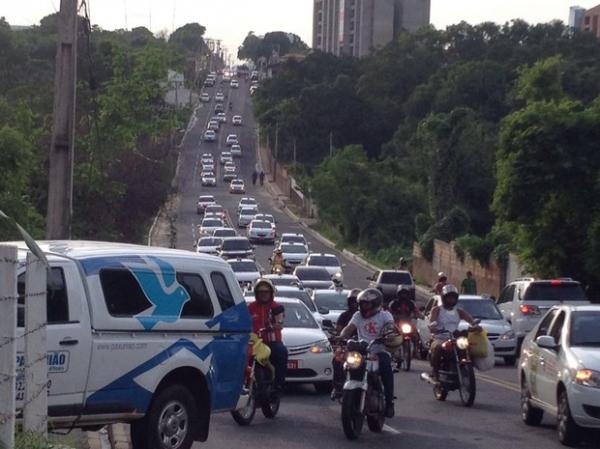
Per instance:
(230,105)
(370,323)
(267,322)
(445,319)
(403,264)
(277,260)
(338,362)
(338,284)
(403,309)
(442,281)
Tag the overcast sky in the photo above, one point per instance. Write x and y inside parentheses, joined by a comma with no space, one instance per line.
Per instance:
(231,20)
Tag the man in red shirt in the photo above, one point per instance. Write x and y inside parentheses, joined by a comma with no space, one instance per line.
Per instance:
(267,322)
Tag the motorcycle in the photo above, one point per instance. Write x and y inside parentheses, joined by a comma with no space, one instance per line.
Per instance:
(363,394)
(404,354)
(258,385)
(456,369)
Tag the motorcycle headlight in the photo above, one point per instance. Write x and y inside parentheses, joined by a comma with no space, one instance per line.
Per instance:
(588,378)
(354,359)
(462,343)
(321,346)
(510,335)
(406,328)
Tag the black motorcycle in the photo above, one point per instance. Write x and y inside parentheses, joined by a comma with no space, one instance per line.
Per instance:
(403,356)
(456,369)
(363,394)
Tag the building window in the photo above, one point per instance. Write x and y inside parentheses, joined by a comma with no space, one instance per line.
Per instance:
(587,20)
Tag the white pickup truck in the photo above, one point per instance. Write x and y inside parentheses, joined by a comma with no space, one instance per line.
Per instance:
(154,337)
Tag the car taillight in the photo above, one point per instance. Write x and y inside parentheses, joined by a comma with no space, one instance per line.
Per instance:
(527,309)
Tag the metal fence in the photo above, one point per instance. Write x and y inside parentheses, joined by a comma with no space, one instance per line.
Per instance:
(23,373)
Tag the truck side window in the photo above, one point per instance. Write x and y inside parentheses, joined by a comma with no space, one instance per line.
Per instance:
(199,305)
(122,293)
(57,302)
(223,293)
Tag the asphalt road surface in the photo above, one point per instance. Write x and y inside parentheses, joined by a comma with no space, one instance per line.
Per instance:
(308,420)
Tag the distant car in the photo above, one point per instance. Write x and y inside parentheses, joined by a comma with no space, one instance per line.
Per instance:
(216,209)
(224,232)
(499,331)
(313,277)
(207,160)
(208,225)
(231,140)
(236,120)
(203,201)
(210,135)
(236,150)
(289,237)
(204,97)
(559,371)
(293,254)
(229,167)
(215,118)
(208,166)
(208,245)
(213,125)
(334,301)
(219,108)
(234,247)
(260,231)
(388,281)
(328,261)
(219,96)
(247,201)
(208,179)
(245,270)
(222,117)
(229,176)
(237,186)
(269,218)
(284,280)
(225,156)
(234,84)
(246,215)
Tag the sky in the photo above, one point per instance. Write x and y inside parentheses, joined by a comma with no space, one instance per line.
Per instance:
(231,20)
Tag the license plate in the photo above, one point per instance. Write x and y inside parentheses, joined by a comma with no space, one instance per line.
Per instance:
(292,364)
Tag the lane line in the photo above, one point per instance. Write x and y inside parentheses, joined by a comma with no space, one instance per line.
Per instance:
(391,430)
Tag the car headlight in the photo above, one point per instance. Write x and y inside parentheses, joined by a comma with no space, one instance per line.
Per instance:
(354,359)
(510,335)
(462,343)
(321,346)
(588,378)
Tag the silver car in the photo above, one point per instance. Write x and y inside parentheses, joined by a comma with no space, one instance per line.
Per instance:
(294,254)
(334,301)
(260,231)
(245,270)
(208,225)
(247,201)
(208,245)
(208,179)
(246,215)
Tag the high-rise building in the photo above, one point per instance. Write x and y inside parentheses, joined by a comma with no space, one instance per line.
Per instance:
(357,27)
(576,14)
(591,21)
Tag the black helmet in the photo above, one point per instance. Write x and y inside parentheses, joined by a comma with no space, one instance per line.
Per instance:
(403,292)
(369,302)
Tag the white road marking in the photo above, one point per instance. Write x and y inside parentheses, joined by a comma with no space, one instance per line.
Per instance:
(391,430)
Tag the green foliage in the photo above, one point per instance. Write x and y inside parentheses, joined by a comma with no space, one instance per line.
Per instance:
(255,47)
(188,38)
(543,81)
(455,223)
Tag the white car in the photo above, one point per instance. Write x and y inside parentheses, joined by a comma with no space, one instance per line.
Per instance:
(245,270)
(328,261)
(208,225)
(203,201)
(284,280)
(231,140)
(210,135)
(222,117)
(207,159)
(226,156)
(237,186)
(247,201)
(293,254)
(236,150)
(260,231)
(229,167)
(268,217)
(224,232)
(236,120)
(213,125)
(331,303)
(219,96)
(208,179)
(246,215)
(309,351)
(204,97)
(234,84)
(290,237)
(215,209)
(559,371)
(208,245)
(208,166)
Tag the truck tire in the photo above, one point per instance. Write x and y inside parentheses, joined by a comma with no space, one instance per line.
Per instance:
(169,422)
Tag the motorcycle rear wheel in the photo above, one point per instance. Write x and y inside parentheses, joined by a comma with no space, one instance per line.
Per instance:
(352,416)
(468,389)
(245,416)
(270,407)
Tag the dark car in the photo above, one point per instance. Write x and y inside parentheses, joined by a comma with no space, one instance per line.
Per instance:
(236,247)
(388,281)
(313,277)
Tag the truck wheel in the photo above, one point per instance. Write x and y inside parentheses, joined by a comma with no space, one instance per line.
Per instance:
(169,421)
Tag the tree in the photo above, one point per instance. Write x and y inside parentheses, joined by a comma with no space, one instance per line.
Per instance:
(189,38)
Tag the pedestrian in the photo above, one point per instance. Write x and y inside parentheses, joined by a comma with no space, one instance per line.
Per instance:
(262,177)
(254,176)
(469,285)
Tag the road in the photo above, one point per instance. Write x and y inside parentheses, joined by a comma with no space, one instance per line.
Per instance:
(309,420)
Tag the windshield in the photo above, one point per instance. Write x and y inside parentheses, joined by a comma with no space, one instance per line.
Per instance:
(247,203)
(236,245)
(209,223)
(396,278)
(284,280)
(206,199)
(248,211)
(585,329)
(209,241)
(313,274)
(268,218)
(243,267)
(297,315)
(324,261)
(261,225)
(214,209)
(224,233)
(293,249)
(302,295)
(570,291)
(331,299)
(294,239)
(483,309)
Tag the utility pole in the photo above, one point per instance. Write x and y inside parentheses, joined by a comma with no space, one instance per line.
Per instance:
(60,189)
(276,151)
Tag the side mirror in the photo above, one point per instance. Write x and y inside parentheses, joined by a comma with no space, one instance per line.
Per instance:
(327,324)
(547,342)
(323,310)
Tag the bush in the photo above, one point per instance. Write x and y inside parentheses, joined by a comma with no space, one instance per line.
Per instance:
(455,223)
